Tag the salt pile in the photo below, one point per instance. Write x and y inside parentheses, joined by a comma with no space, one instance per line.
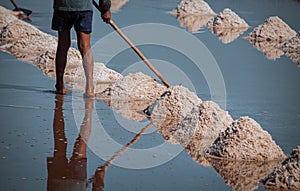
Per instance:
(29,44)
(227,26)
(136,86)
(194,7)
(171,108)
(45,61)
(292,49)
(245,140)
(286,176)
(22,39)
(205,121)
(228,19)
(133,93)
(243,175)
(103,77)
(198,130)
(193,14)
(273,29)
(270,36)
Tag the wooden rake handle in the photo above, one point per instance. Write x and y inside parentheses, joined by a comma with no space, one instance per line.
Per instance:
(141,55)
(15,5)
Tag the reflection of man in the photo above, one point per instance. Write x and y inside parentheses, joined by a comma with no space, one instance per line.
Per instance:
(98,179)
(78,13)
(63,174)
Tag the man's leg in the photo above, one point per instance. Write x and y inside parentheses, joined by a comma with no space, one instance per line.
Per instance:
(80,145)
(61,59)
(84,46)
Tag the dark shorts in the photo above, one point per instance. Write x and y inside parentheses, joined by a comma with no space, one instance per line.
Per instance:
(82,20)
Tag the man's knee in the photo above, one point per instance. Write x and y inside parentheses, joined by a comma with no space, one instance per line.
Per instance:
(84,47)
(64,41)
(64,44)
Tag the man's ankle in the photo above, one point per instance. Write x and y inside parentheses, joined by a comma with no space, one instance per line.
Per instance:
(88,94)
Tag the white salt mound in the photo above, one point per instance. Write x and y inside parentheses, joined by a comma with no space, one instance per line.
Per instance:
(228,19)
(167,111)
(136,86)
(176,103)
(227,26)
(273,29)
(194,7)
(245,140)
(292,49)
(205,121)
(271,49)
(45,61)
(103,77)
(198,130)
(270,37)
(193,14)
(130,95)
(286,176)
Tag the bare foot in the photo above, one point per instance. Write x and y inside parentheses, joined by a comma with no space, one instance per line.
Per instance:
(90,95)
(61,90)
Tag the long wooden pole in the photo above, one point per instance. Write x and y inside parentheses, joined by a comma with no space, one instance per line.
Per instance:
(141,55)
(125,147)
(15,5)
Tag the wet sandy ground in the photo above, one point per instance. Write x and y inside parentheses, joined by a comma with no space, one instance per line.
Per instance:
(32,133)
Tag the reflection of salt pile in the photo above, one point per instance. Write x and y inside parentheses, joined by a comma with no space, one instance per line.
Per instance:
(271,49)
(29,44)
(286,176)
(171,108)
(270,36)
(227,26)
(193,22)
(117,4)
(292,49)
(243,175)
(227,35)
(245,140)
(193,14)
(134,93)
(198,130)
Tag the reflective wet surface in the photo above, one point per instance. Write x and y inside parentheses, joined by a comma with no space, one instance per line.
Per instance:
(43,141)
